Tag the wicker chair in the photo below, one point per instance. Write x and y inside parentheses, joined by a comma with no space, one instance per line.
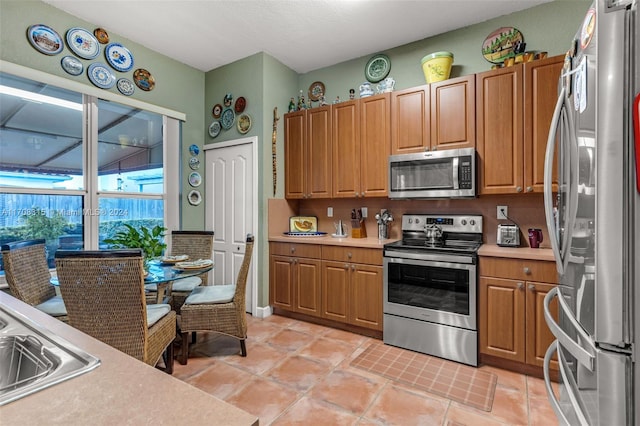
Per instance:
(27,273)
(196,245)
(218,308)
(104,294)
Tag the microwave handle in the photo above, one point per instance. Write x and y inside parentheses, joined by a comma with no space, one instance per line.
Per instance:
(456,181)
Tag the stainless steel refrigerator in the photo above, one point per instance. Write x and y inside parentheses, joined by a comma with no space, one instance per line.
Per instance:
(594,222)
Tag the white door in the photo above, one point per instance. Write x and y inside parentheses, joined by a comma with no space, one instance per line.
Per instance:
(231,208)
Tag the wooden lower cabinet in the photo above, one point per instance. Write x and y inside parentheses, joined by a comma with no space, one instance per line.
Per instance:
(511,315)
(332,285)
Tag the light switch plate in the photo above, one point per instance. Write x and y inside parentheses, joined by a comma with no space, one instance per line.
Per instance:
(329,211)
(364,212)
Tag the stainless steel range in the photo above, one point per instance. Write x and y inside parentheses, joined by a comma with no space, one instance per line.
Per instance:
(430,283)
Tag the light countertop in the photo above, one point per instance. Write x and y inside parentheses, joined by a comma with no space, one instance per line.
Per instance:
(492,250)
(369,242)
(121,390)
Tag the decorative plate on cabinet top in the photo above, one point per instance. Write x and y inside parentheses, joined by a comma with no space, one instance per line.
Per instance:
(101,76)
(143,79)
(316,90)
(227,118)
(72,65)
(377,68)
(102,35)
(45,39)
(119,57)
(214,129)
(240,105)
(216,111)
(125,86)
(83,43)
(501,43)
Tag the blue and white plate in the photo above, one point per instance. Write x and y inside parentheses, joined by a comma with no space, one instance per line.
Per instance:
(101,76)
(214,129)
(227,118)
(119,57)
(45,39)
(72,65)
(83,43)
(125,86)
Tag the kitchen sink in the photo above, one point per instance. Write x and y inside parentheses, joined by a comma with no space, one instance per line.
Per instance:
(33,358)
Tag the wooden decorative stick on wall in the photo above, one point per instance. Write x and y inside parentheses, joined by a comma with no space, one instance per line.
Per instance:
(273,149)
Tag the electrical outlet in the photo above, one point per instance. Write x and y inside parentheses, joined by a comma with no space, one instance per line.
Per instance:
(502,212)
(364,212)
(329,211)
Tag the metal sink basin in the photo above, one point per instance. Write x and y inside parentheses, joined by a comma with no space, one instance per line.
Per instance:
(33,358)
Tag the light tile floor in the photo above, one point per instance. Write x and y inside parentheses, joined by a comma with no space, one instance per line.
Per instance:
(299,373)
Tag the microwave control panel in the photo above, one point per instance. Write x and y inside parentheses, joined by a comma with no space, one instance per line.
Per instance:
(465,178)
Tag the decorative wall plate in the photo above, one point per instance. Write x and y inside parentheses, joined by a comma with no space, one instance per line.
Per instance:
(195,179)
(143,79)
(228,99)
(83,43)
(227,118)
(101,76)
(214,129)
(125,86)
(193,149)
(194,197)
(194,163)
(216,111)
(45,39)
(377,68)
(316,90)
(240,105)
(72,65)
(118,57)
(244,123)
(500,44)
(102,35)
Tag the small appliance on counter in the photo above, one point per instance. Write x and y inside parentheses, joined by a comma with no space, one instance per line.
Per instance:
(508,235)
(304,226)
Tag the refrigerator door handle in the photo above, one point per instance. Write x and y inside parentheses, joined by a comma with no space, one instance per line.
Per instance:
(548,177)
(570,386)
(586,356)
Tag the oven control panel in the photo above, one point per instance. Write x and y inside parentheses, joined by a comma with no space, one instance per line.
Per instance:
(448,223)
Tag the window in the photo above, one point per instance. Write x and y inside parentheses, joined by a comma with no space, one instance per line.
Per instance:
(74,187)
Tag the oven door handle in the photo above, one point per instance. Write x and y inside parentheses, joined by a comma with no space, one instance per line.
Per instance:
(402,256)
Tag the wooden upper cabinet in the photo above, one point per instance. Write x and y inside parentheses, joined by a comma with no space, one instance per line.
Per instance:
(499,130)
(453,113)
(540,95)
(295,154)
(375,145)
(318,159)
(346,149)
(410,117)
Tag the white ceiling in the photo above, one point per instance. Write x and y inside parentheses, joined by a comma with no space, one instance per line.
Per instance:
(305,35)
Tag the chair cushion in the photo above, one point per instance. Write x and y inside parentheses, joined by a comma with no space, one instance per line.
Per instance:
(155,312)
(54,306)
(211,294)
(186,284)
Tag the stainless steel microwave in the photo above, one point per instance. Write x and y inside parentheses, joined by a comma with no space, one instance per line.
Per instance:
(433,174)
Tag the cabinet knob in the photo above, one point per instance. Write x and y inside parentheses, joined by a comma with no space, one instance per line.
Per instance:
(295,261)
(532,287)
(520,286)
(518,189)
(290,261)
(526,270)
(362,194)
(349,255)
(293,249)
(346,266)
(529,188)
(353,267)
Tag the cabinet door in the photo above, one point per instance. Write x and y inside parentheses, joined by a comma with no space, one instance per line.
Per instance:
(540,95)
(318,160)
(281,287)
(410,131)
(346,149)
(294,154)
(453,113)
(539,337)
(308,286)
(502,313)
(335,291)
(499,130)
(365,307)
(375,145)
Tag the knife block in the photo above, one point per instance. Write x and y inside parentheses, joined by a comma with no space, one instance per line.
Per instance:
(359,232)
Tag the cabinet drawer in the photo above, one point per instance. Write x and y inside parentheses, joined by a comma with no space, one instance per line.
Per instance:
(298,250)
(352,254)
(518,269)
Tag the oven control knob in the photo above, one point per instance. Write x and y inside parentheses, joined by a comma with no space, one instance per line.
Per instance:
(417,220)
(472,222)
(463,222)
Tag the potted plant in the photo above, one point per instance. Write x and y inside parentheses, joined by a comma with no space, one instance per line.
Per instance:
(149,240)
